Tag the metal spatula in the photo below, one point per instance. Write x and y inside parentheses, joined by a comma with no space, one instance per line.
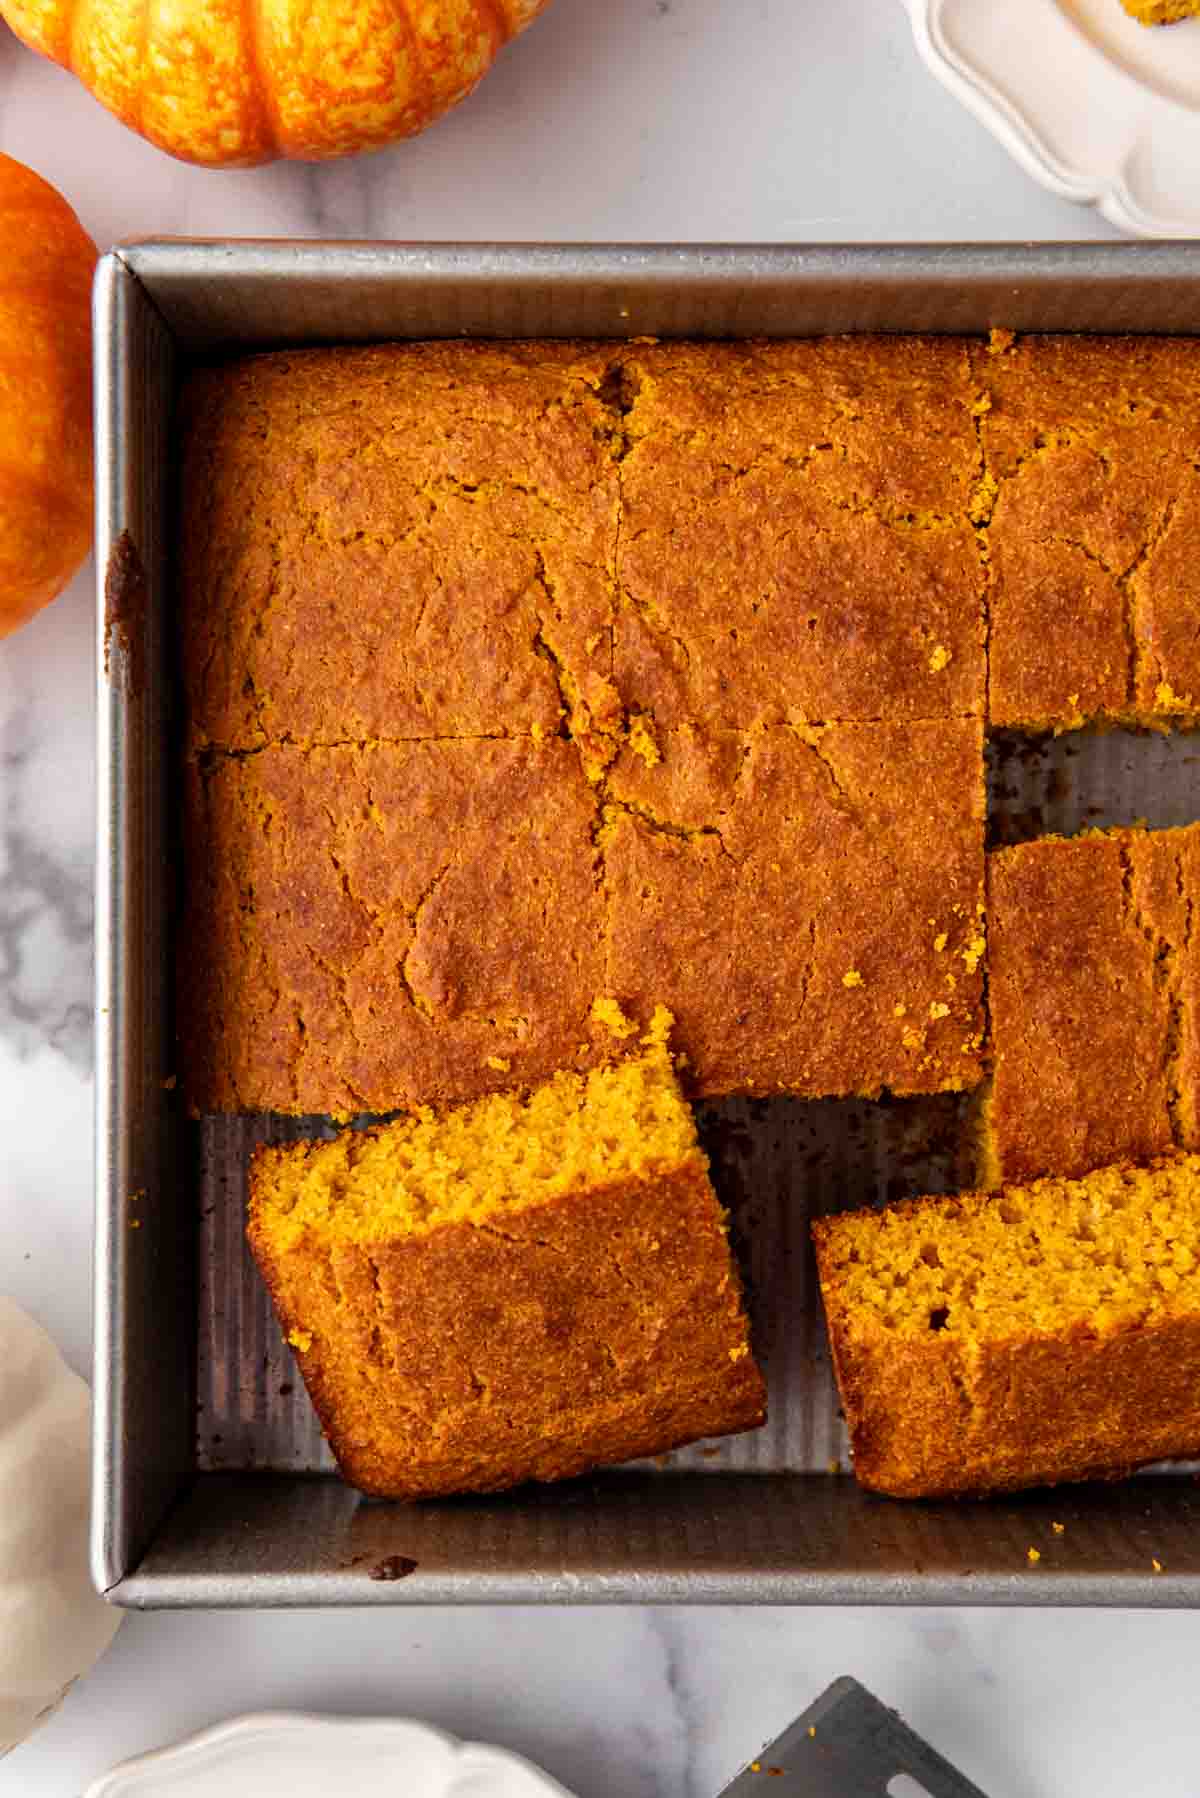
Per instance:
(848,1745)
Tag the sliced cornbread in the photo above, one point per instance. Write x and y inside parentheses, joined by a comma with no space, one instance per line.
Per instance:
(517,1290)
(1089,509)
(1094,990)
(411,540)
(795,538)
(1043,1333)
(806,900)
(387,926)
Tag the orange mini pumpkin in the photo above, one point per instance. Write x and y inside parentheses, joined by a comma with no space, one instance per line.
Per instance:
(228,82)
(45,393)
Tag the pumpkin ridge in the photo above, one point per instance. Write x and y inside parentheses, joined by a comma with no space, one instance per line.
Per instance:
(419,64)
(501,30)
(263,101)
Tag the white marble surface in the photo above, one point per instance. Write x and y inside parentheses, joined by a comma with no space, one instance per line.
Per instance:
(739,119)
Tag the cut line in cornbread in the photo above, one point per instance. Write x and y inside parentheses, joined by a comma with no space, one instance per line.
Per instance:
(516,1290)
(373,927)
(1042,1333)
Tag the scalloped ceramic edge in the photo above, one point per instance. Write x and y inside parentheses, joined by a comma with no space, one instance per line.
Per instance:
(296,1755)
(1083,124)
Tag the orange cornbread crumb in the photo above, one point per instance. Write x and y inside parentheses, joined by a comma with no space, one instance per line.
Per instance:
(517,1289)
(1042,1333)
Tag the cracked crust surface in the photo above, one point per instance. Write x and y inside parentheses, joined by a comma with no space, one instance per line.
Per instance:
(1094,990)
(1089,509)
(418,923)
(807,901)
(386,925)
(522,1342)
(795,538)
(411,541)
(642,554)
(999,1340)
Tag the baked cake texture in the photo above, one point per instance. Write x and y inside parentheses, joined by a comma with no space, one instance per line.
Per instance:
(1089,510)
(398,924)
(795,533)
(408,541)
(1044,1333)
(1161,12)
(1094,989)
(500,657)
(445,787)
(517,1290)
(807,899)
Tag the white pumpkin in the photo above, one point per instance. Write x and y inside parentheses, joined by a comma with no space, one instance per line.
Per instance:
(52,1624)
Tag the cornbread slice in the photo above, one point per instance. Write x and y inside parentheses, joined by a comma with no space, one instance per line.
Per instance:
(1048,1332)
(1161,12)
(1094,987)
(387,926)
(412,540)
(795,538)
(1089,512)
(517,1290)
(807,901)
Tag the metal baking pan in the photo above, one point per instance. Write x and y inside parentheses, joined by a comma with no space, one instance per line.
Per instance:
(212,1485)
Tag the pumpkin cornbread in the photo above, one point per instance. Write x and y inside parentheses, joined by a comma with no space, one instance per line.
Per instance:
(408,541)
(385,926)
(808,902)
(1094,988)
(1044,1333)
(401,924)
(1089,510)
(795,532)
(574,620)
(521,1289)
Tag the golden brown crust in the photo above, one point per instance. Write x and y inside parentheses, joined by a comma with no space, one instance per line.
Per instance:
(415,924)
(927,1420)
(941,1414)
(407,541)
(414,554)
(596,1328)
(369,928)
(795,538)
(1089,453)
(806,903)
(1093,968)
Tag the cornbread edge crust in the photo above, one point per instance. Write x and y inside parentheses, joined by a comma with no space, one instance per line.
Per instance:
(533,1341)
(947,1405)
(1094,994)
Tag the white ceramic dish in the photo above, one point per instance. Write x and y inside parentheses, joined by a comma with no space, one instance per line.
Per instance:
(280,1755)
(1095,106)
